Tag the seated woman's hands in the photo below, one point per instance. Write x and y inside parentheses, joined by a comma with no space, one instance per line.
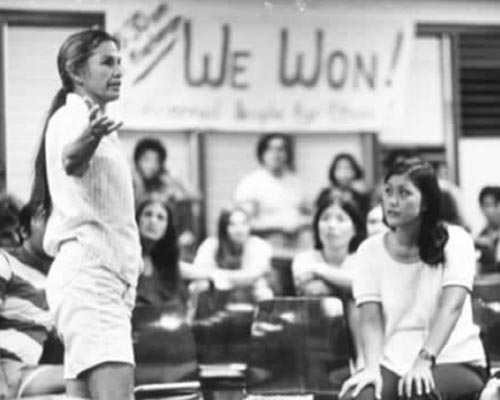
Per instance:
(315,287)
(418,377)
(261,290)
(303,275)
(309,283)
(220,280)
(362,379)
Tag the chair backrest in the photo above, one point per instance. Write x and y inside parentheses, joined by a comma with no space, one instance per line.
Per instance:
(299,346)
(487,287)
(486,310)
(282,276)
(164,345)
(221,326)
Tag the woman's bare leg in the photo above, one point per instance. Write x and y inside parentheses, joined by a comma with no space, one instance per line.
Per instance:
(111,381)
(77,388)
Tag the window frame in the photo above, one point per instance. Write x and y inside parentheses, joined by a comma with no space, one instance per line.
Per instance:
(37,19)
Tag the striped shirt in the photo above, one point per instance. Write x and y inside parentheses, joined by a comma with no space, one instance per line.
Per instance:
(97,208)
(24,315)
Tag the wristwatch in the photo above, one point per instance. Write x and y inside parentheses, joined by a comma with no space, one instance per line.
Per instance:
(426,355)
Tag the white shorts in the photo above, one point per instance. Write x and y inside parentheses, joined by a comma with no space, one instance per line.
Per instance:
(92,309)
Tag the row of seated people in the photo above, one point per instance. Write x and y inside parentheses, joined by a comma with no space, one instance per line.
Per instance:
(238,259)
(273,194)
(160,284)
(439,244)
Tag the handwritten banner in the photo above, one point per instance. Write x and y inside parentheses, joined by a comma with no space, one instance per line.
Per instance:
(191,66)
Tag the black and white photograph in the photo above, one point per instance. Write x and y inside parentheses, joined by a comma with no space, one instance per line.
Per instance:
(250,199)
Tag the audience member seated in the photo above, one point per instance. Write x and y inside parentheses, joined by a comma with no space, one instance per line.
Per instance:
(9,221)
(274,197)
(236,260)
(152,178)
(488,239)
(25,322)
(31,229)
(412,287)
(393,157)
(452,207)
(346,183)
(161,281)
(338,229)
(375,221)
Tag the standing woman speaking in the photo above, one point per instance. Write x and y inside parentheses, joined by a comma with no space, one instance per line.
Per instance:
(84,183)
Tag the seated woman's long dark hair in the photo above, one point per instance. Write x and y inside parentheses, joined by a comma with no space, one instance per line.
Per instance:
(165,252)
(227,256)
(433,234)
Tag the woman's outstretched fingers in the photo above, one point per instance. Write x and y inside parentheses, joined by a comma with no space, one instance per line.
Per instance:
(429,384)
(362,383)
(94,111)
(115,126)
(419,381)
(401,387)
(378,389)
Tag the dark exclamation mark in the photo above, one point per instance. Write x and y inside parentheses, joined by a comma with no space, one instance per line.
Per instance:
(395,58)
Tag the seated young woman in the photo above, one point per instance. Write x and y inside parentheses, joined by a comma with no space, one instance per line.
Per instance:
(412,286)
(161,280)
(235,259)
(338,229)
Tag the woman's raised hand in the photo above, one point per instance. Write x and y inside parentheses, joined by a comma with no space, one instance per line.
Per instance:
(100,124)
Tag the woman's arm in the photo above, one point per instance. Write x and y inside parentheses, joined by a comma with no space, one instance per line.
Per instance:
(190,272)
(457,281)
(256,263)
(242,277)
(235,278)
(204,266)
(353,318)
(335,276)
(77,154)
(302,271)
(255,266)
(371,332)
(443,322)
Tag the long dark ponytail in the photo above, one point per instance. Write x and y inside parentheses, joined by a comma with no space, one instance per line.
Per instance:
(40,193)
(72,57)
